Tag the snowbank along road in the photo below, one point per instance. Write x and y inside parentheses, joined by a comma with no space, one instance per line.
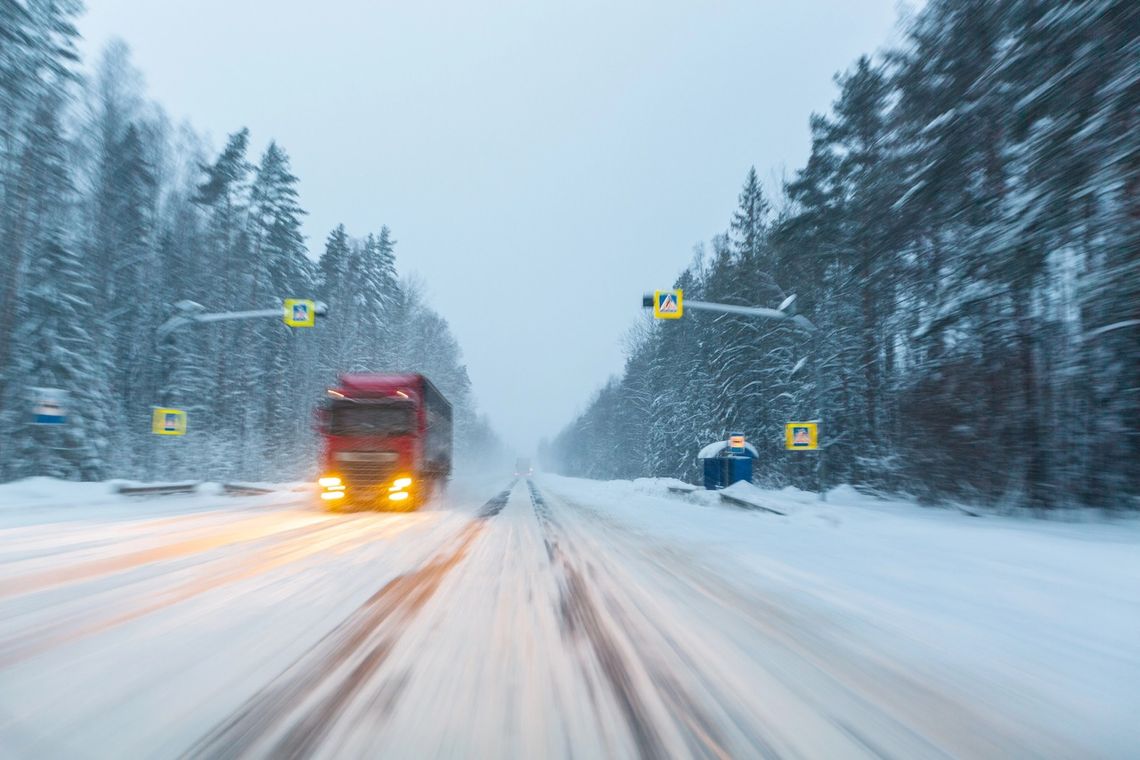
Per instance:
(559,618)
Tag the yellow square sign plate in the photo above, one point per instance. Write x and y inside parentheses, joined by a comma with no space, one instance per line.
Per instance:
(668,304)
(168,421)
(300,312)
(801,436)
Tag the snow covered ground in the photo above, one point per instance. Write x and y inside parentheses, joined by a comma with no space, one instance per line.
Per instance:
(557,618)
(1033,623)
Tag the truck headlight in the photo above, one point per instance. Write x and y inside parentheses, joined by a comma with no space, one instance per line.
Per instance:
(398,496)
(400,483)
(330,495)
(329,481)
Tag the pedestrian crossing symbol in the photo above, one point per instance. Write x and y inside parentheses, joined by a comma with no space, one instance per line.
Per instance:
(801,436)
(668,304)
(168,421)
(300,312)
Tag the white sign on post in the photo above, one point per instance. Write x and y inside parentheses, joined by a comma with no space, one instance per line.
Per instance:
(50,407)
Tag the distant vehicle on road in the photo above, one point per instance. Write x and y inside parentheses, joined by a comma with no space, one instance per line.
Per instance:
(386,441)
(523,468)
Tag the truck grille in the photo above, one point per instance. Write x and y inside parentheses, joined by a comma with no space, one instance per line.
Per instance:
(367,467)
(367,473)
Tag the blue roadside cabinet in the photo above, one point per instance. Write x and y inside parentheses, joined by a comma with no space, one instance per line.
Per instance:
(724,464)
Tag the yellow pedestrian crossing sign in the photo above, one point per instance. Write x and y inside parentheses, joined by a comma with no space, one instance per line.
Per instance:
(801,436)
(300,312)
(168,421)
(668,304)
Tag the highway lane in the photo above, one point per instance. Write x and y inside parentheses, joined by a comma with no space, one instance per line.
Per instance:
(133,637)
(508,620)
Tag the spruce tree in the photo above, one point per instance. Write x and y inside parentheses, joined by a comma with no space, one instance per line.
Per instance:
(58,347)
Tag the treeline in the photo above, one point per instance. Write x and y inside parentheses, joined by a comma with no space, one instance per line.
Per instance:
(110,215)
(966,239)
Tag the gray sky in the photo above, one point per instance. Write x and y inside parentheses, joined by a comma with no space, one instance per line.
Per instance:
(541,165)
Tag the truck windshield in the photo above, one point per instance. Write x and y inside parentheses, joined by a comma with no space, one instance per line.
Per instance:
(371,420)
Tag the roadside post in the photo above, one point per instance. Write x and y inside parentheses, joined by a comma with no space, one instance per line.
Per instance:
(802,436)
(50,407)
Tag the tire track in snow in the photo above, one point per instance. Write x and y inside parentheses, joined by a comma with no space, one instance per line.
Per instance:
(765,618)
(275,550)
(68,538)
(581,614)
(245,531)
(291,717)
(847,680)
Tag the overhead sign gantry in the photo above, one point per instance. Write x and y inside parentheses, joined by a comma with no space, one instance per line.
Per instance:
(798,436)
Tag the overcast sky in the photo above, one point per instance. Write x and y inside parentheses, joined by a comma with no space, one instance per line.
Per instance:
(541,164)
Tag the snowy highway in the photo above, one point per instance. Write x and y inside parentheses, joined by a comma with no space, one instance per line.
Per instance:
(552,617)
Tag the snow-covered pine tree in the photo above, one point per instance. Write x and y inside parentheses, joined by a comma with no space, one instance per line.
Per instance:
(279,269)
(374,303)
(335,286)
(223,194)
(57,345)
(384,289)
(130,319)
(964,236)
(37,55)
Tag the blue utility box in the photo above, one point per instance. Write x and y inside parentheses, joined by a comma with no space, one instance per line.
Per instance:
(725,464)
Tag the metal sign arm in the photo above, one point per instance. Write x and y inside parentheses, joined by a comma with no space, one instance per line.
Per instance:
(798,320)
(192,313)
(224,316)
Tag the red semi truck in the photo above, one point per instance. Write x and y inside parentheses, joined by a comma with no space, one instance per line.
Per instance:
(386,441)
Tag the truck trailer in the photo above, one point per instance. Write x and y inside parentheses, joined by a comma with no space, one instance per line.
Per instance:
(386,442)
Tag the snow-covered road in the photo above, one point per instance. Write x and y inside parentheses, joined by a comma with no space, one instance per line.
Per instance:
(556,618)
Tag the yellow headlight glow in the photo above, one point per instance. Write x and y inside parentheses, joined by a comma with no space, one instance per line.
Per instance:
(330,495)
(329,481)
(399,483)
(399,496)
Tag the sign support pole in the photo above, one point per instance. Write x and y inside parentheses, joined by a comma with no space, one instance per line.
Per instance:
(822,468)
(191,313)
